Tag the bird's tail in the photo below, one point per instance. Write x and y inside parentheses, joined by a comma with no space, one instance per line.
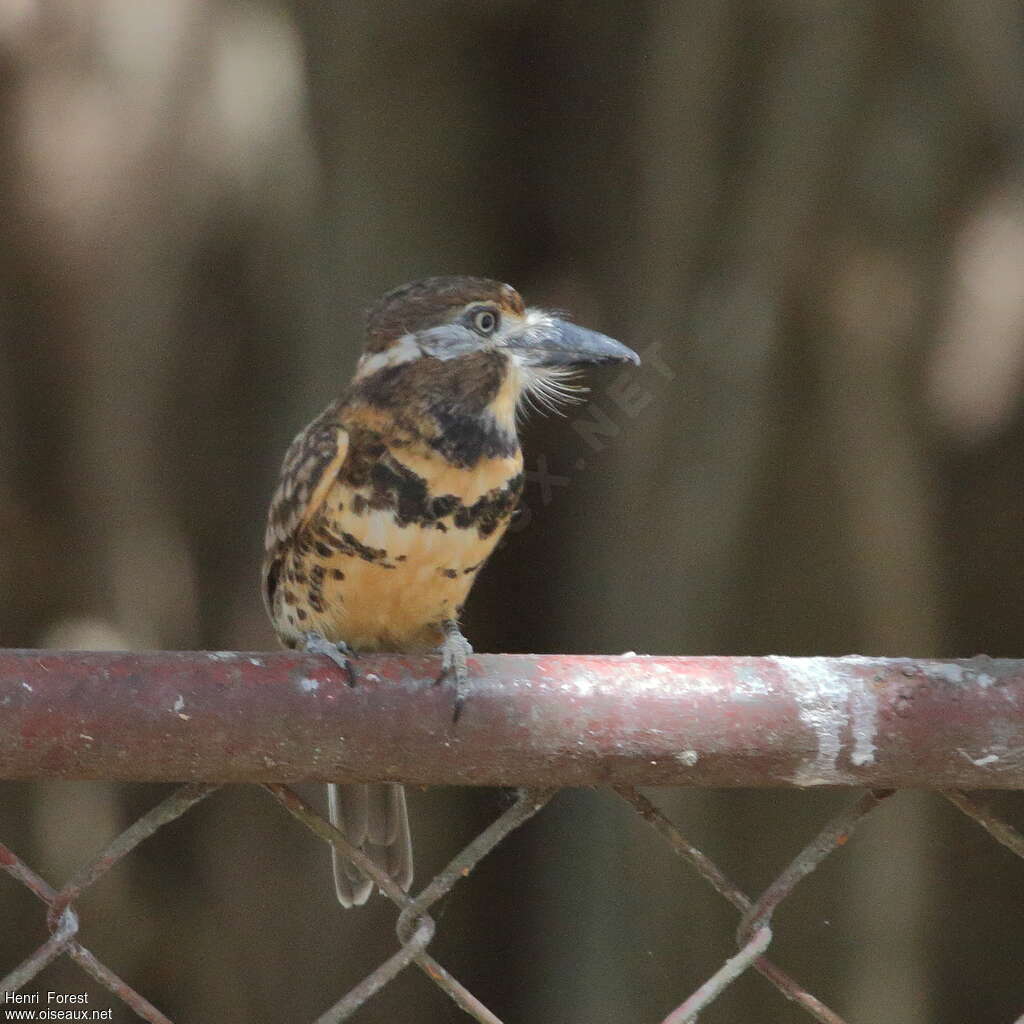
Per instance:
(373,818)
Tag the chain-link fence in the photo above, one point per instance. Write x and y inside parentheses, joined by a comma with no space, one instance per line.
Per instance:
(813,720)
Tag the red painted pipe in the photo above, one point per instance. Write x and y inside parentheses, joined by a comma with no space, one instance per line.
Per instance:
(529,720)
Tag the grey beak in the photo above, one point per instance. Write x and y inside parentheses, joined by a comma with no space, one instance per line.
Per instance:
(560,343)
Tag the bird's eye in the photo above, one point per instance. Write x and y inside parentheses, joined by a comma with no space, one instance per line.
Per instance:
(485,321)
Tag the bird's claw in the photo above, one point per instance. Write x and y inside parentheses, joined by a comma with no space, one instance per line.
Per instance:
(454,650)
(339,652)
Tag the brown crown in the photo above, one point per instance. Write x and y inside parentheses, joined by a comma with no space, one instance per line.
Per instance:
(427,303)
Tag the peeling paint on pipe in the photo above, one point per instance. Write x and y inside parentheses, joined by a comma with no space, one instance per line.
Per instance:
(534,720)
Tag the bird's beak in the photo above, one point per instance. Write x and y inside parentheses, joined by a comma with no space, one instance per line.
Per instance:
(555,342)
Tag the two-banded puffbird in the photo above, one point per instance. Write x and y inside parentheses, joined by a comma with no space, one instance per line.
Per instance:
(392,499)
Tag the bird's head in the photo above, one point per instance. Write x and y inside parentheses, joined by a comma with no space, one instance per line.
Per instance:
(462,318)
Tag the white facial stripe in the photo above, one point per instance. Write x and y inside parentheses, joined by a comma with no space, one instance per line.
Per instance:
(451,340)
(405,350)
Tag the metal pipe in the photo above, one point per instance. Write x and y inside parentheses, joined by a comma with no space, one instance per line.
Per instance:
(530,720)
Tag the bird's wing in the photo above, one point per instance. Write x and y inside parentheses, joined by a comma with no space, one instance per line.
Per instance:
(311,466)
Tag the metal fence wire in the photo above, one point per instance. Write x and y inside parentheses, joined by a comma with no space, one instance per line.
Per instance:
(837,720)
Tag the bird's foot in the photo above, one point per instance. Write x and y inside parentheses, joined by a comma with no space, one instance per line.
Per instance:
(339,652)
(454,650)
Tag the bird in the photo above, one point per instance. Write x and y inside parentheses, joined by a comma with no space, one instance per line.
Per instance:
(392,499)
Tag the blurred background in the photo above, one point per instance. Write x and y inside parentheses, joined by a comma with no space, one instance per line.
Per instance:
(807,215)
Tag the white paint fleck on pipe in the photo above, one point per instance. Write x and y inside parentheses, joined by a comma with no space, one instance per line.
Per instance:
(750,683)
(822,697)
(979,762)
(829,702)
(947,671)
(583,686)
(864,725)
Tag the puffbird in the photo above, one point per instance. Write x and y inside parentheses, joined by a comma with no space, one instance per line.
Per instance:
(392,499)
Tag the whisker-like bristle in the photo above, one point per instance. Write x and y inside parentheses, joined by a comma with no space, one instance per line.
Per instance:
(550,389)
